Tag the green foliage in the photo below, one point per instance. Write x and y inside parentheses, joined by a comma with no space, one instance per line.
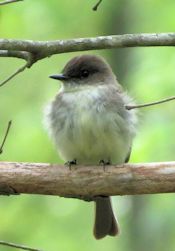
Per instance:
(54,223)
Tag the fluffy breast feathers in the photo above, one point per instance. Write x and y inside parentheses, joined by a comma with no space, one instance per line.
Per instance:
(91,124)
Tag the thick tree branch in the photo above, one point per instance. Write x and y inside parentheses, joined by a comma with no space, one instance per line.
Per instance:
(88,181)
(38,50)
(44,49)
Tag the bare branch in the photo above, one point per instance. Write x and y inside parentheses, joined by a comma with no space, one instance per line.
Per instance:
(9,244)
(16,54)
(41,49)
(47,48)
(88,181)
(97,5)
(5,137)
(9,1)
(21,69)
(24,55)
(130,107)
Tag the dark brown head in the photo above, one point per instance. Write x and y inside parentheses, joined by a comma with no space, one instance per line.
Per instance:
(86,69)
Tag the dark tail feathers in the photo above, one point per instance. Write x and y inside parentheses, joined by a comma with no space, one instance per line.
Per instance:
(105,222)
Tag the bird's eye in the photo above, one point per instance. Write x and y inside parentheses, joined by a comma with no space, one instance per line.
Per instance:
(84,73)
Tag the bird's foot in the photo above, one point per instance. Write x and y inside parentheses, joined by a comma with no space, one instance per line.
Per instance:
(70,163)
(104,163)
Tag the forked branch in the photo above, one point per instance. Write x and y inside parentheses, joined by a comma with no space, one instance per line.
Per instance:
(38,50)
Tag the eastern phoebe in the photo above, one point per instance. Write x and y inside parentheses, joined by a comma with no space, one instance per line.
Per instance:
(89,124)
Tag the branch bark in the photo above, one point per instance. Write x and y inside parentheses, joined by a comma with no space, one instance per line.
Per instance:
(43,49)
(87,181)
(32,51)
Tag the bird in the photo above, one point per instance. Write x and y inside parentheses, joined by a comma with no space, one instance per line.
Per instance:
(90,125)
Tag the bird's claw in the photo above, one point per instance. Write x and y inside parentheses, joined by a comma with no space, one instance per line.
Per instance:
(104,163)
(70,163)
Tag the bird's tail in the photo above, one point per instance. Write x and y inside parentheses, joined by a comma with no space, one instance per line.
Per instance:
(105,221)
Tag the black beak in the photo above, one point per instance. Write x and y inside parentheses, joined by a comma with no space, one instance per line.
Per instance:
(61,77)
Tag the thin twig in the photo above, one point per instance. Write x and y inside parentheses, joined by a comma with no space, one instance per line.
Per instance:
(21,69)
(9,244)
(5,137)
(30,60)
(130,107)
(9,1)
(97,5)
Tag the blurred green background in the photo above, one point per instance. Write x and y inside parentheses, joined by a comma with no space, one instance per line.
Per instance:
(53,223)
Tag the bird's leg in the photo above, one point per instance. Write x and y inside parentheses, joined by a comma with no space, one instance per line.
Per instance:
(70,163)
(104,163)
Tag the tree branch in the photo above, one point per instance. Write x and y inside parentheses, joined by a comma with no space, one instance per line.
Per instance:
(9,244)
(97,5)
(5,137)
(130,107)
(16,54)
(88,181)
(30,60)
(19,70)
(44,49)
(9,1)
(41,49)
